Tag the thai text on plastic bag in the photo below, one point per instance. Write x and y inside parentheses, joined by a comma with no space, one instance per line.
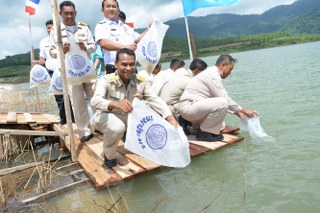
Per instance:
(151,136)
(253,126)
(39,75)
(149,47)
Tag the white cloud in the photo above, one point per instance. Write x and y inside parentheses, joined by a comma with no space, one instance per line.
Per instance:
(14,29)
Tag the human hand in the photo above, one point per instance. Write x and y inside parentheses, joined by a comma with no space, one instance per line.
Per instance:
(247,112)
(123,106)
(82,46)
(65,47)
(172,121)
(132,46)
(34,62)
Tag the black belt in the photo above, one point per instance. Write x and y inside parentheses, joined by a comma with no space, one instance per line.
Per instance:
(110,68)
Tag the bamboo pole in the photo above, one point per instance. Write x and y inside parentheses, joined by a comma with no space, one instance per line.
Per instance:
(193,44)
(64,80)
(188,35)
(38,105)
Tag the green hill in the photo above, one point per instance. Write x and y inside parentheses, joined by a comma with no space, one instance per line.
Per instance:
(217,34)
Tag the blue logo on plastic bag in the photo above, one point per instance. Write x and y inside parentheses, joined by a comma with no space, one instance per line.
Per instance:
(156,136)
(77,62)
(38,73)
(152,49)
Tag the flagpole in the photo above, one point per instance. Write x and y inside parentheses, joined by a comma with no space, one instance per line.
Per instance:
(38,108)
(64,80)
(188,36)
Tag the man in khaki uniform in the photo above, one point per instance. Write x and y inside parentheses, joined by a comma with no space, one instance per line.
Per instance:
(76,33)
(207,102)
(173,89)
(163,76)
(112,100)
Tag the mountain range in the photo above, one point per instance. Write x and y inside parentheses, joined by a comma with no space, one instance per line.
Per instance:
(301,17)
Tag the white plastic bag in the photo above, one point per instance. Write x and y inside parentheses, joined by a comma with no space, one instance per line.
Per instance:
(151,136)
(39,75)
(56,86)
(149,47)
(253,126)
(78,66)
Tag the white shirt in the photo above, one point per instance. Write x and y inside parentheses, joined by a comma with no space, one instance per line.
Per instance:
(44,46)
(119,33)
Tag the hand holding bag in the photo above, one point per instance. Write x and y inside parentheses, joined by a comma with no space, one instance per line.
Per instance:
(151,136)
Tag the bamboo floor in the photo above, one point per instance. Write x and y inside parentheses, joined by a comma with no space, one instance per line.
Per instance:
(90,156)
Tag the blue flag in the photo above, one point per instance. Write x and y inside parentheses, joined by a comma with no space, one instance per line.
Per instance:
(191,5)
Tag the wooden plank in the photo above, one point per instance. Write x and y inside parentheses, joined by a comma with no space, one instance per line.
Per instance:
(210,145)
(61,132)
(230,139)
(18,168)
(28,132)
(52,193)
(30,165)
(230,129)
(21,119)
(196,150)
(125,168)
(51,118)
(1,147)
(11,117)
(93,166)
(28,118)
(3,118)
(141,161)
(40,119)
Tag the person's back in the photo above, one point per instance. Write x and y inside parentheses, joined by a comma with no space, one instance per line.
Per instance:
(165,75)
(173,89)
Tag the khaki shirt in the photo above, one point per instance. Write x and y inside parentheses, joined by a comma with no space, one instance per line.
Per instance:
(110,88)
(173,89)
(208,84)
(81,33)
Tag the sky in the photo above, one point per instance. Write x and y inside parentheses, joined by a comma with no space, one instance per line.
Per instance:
(14,21)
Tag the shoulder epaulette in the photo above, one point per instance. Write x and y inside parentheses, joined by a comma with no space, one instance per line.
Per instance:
(111,78)
(141,78)
(83,24)
(102,22)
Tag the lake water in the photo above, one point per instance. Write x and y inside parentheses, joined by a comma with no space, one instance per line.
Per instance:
(283,85)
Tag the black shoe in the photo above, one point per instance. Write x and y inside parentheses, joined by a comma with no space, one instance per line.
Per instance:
(184,124)
(110,163)
(86,138)
(206,136)
(62,122)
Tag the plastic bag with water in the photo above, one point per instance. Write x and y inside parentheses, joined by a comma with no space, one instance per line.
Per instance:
(253,126)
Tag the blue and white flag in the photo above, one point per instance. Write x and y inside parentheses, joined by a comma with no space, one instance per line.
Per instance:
(191,5)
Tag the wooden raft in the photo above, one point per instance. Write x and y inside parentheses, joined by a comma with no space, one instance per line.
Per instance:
(90,156)
(27,118)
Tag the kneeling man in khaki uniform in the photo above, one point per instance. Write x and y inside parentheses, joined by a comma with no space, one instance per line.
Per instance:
(112,99)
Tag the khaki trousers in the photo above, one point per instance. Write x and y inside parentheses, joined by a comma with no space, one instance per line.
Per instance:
(80,96)
(113,127)
(209,113)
